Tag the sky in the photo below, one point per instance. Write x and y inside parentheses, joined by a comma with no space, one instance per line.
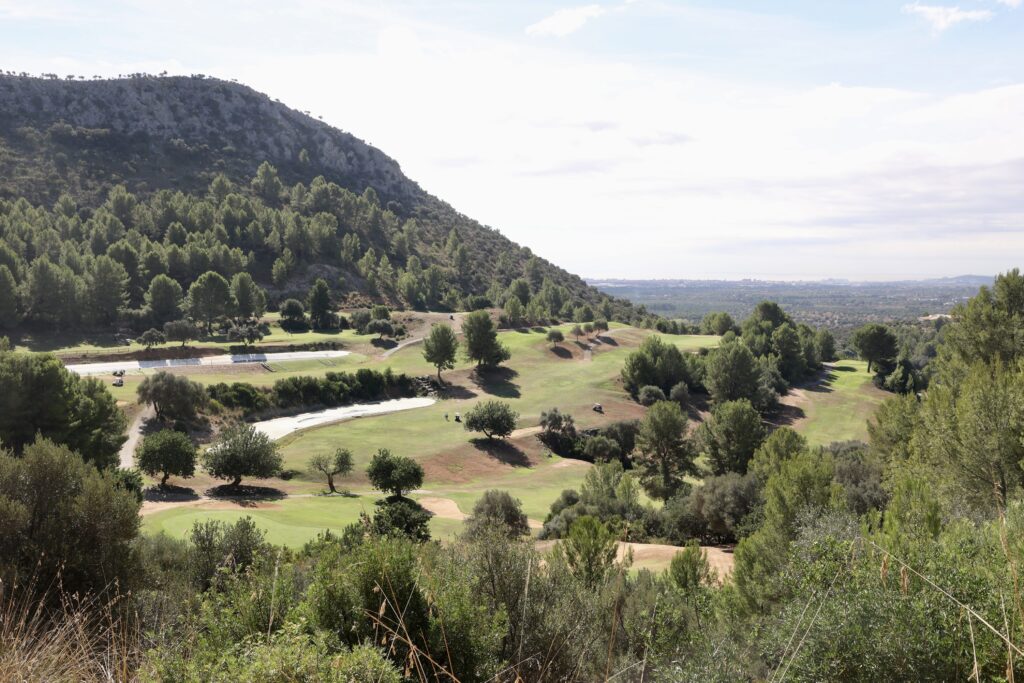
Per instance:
(795,139)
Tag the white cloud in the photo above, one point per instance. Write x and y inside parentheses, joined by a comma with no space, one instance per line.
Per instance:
(33,9)
(565,21)
(1010,3)
(941,18)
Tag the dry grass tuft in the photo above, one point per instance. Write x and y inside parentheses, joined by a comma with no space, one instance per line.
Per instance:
(84,641)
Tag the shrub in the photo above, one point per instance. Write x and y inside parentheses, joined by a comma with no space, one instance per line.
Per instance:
(650,395)
(601,449)
(215,545)
(559,432)
(64,523)
(680,394)
(499,510)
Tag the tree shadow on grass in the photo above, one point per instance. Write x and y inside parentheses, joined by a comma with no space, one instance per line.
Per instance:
(610,341)
(383,343)
(169,494)
(339,494)
(456,391)
(245,495)
(786,415)
(561,352)
(497,381)
(844,368)
(820,383)
(697,404)
(502,451)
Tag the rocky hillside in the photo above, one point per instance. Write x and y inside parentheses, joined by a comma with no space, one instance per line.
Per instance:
(81,138)
(152,133)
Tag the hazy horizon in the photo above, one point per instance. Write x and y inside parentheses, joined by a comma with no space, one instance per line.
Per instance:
(636,138)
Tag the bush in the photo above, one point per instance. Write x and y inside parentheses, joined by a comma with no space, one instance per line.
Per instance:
(650,395)
(601,449)
(559,432)
(215,545)
(680,394)
(713,512)
(498,509)
(403,517)
(240,395)
(151,338)
(64,523)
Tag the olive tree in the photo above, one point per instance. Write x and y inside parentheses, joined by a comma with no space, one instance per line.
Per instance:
(493,418)
(242,451)
(174,397)
(166,453)
(333,465)
(394,474)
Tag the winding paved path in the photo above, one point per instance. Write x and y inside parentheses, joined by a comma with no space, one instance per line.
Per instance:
(134,435)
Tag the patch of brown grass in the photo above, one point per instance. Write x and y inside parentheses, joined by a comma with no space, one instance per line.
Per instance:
(80,642)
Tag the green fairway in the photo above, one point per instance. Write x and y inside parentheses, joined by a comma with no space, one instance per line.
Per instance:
(537,380)
(838,408)
(291,521)
(692,342)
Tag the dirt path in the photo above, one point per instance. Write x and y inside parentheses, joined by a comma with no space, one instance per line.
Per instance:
(408,342)
(456,324)
(127,454)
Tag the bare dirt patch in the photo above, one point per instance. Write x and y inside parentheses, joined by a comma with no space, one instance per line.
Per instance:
(658,556)
(468,462)
(446,508)
(150,507)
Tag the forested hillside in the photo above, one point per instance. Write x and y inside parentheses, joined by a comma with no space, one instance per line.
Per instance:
(185,175)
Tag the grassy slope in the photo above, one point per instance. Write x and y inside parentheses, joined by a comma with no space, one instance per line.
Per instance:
(456,467)
(838,408)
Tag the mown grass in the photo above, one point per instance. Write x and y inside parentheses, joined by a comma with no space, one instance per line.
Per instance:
(838,409)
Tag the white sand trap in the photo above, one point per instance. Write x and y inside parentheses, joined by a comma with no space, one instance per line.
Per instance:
(203,361)
(282,426)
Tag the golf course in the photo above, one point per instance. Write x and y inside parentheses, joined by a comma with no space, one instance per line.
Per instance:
(459,466)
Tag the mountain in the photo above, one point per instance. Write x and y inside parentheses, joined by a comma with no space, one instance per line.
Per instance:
(80,139)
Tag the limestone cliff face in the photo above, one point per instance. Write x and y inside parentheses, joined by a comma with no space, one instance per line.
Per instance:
(192,117)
